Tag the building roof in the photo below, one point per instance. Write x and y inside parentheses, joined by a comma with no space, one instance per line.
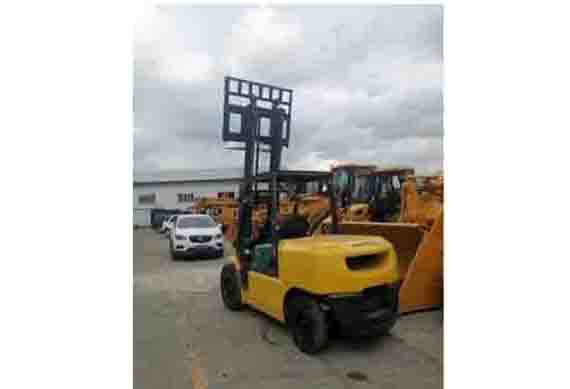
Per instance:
(180,175)
(293,175)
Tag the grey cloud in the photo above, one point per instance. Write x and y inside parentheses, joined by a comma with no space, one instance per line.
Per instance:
(416,115)
(363,89)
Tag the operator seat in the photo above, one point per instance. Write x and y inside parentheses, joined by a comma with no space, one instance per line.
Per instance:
(293,226)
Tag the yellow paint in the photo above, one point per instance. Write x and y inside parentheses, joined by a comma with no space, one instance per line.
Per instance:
(421,208)
(318,265)
(224,211)
(267,294)
(418,241)
(420,255)
(198,374)
(423,284)
(357,212)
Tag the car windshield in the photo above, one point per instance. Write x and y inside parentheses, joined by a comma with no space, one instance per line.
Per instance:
(196,222)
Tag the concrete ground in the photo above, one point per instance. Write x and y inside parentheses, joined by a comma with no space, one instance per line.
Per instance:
(185,338)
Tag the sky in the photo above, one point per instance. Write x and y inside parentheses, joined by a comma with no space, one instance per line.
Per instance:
(367,82)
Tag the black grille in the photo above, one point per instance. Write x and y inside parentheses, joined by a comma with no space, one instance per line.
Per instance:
(379,297)
(200,238)
(363,262)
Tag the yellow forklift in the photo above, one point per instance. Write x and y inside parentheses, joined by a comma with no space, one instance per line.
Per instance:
(312,284)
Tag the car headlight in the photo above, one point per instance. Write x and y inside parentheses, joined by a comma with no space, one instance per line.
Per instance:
(179,237)
(218,236)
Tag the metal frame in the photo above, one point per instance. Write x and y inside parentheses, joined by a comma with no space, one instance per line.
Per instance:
(250,93)
(354,170)
(276,178)
(254,102)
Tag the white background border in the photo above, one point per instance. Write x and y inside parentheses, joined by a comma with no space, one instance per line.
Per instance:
(66,163)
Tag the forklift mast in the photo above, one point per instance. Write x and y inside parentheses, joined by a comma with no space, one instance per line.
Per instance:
(248,107)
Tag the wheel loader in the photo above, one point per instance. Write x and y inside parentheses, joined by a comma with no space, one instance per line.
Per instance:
(306,199)
(222,210)
(312,284)
(309,200)
(417,237)
(366,193)
(387,202)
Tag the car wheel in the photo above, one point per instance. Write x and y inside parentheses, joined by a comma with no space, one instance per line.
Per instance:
(230,286)
(309,325)
(173,254)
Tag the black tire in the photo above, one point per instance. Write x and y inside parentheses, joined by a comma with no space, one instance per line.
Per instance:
(293,226)
(387,327)
(230,286)
(173,254)
(309,325)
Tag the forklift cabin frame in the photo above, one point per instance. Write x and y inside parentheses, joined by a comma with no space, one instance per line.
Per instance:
(279,181)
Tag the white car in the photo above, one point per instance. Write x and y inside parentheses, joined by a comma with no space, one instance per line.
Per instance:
(168,223)
(196,235)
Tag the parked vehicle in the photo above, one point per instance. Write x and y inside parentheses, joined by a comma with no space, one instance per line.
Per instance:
(159,215)
(196,235)
(168,223)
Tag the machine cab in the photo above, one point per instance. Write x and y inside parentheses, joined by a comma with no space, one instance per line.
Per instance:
(259,252)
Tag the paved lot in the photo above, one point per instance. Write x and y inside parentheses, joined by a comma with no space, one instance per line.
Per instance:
(185,338)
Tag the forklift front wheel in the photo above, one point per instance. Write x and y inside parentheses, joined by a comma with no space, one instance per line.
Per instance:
(230,287)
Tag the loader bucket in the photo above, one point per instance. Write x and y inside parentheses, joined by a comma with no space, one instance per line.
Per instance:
(420,258)
(405,237)
(230,232)
(423,284)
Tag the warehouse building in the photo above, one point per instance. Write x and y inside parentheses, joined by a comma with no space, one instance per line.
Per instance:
(178,189)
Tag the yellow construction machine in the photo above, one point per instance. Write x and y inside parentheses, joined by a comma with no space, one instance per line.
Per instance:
(417,237)
(223,210)
(366,194)
(347,183)
(312,284)
(309,200)
(311,206)
(406,210)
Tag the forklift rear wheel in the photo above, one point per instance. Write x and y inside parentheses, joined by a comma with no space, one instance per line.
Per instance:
(230,287)
(310,326)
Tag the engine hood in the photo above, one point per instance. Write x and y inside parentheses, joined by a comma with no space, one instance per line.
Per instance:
(342,244)
(320,264)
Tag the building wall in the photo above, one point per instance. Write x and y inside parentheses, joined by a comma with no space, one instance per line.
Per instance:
(166,194)
(141,217)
